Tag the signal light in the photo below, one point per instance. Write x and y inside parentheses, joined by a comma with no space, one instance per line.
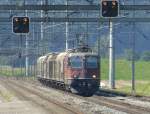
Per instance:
(16,19)
(25,21)
(20,24)
(110,8)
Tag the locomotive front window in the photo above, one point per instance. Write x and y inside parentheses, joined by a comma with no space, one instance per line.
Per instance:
(91,62)
(76,62)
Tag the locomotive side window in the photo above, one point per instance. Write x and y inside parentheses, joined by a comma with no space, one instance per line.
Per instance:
(75,62)
(91,62)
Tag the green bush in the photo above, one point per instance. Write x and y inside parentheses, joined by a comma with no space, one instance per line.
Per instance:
(146,56)
(129,54)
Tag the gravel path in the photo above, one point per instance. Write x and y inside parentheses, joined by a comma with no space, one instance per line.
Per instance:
(144,104)
(11,104)
(83,105)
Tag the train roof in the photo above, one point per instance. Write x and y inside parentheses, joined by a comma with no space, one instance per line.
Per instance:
(82,51)
(61,56)
(40,59)
(83,54)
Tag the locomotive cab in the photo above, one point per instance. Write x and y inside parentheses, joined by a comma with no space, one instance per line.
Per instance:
(83,73)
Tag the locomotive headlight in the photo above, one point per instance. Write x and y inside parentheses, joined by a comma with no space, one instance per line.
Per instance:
(94,76)
(75,76)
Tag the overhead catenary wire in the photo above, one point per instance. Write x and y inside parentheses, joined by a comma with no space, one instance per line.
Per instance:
(87,0)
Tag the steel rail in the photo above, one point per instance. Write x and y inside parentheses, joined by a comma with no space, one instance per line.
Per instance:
(40,95)
(115,104)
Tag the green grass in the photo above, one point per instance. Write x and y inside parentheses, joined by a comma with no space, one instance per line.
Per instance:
(123,70)
(8,71)
(141,89)
(6,96)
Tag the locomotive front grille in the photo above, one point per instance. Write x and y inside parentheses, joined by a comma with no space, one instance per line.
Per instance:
(84,83)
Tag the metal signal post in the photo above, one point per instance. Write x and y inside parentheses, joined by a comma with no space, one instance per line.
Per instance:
(133,56)
(67,28)
(111,57)
(110,9)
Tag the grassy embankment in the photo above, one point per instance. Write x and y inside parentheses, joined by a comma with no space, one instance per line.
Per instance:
(124,74)
(8,71)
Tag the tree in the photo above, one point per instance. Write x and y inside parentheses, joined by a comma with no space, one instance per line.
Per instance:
(4,60)
(146,56)
(129,54)
(104,44)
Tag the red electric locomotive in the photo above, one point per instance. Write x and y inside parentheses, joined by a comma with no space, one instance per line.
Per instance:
(76,70)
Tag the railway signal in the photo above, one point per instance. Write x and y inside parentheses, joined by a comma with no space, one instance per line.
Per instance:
(20,24)
(109,8)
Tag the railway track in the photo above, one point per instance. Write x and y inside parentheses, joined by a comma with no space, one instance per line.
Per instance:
(119,105)
(101,100)
(51,106)
(144,98)
(114,93)
(115,104)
